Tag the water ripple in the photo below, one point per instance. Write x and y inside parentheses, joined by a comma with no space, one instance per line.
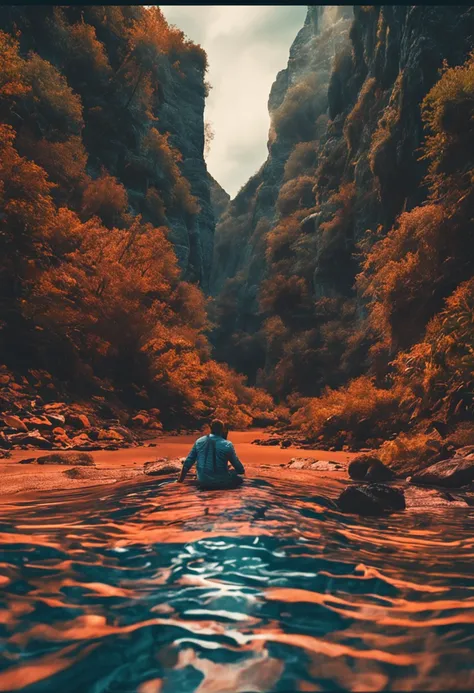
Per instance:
(162,588)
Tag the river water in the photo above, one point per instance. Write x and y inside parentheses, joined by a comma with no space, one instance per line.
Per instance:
(162,588)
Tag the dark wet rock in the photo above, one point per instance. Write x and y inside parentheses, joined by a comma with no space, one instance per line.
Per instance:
(27,460)
(266,441)
(82,459)
(163,465)
(4,442)
(440,427)
(452,473)
(286,443)
(373,499)
(369,468)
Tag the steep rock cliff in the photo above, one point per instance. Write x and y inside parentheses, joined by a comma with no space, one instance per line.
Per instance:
(127,87)
(297,105)
(291,299)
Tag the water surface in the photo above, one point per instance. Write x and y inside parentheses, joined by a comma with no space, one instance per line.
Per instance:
(161,588)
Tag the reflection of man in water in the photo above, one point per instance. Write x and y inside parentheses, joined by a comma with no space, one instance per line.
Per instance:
(211,454)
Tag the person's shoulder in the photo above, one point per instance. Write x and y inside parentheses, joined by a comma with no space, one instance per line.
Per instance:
(201,439)
(229,443)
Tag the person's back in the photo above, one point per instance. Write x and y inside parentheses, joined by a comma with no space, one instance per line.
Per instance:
(212,453)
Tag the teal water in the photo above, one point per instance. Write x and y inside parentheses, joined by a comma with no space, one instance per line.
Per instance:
(161,588)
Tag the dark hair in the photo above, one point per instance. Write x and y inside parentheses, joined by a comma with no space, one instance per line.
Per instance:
(217,427)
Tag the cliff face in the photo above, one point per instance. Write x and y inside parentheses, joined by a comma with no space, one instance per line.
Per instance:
(106,222)
(298,106)
(132,96)
(344,163)
(219,197)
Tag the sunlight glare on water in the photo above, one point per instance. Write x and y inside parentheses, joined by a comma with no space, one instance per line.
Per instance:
(165,588)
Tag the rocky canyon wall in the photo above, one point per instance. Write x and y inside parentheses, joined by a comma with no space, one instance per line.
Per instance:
(345,161)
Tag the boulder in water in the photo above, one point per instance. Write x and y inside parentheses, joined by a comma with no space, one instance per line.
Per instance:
(371,499)
(452,473)
(369,468)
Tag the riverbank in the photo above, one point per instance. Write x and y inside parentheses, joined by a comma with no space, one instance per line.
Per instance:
(113,466)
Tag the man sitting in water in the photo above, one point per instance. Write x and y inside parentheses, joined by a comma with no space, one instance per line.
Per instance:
(212,453)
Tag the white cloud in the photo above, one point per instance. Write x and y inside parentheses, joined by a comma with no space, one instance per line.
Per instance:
(246,47)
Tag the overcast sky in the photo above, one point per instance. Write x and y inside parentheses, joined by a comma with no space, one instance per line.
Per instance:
(246,47)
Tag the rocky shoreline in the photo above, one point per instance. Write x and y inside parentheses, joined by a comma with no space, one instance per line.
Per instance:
(35,413)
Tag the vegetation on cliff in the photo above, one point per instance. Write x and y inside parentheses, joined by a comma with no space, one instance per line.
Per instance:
(365,293)
(97,205)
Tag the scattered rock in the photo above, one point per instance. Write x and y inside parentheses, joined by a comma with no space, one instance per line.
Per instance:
(439,426)
(140,420)
(82,459)
(124,433)
(54,406)
(266,441)
(422,498)
(110,434)
(286,443)
(56,419)
(58,431)
(14,422)
(466,451)
(81,439)
(373,499)
(4,442)
(163,465)
(39,422)
(369,468)
(78,421)
(452,473)
(80,473)
(33,438)
(326,466)
(300,463)
(27,460)
(313,463)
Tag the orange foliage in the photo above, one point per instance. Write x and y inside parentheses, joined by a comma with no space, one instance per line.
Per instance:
(11,68)
(27,208)
(64,162)
(105,197)
(399,271)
